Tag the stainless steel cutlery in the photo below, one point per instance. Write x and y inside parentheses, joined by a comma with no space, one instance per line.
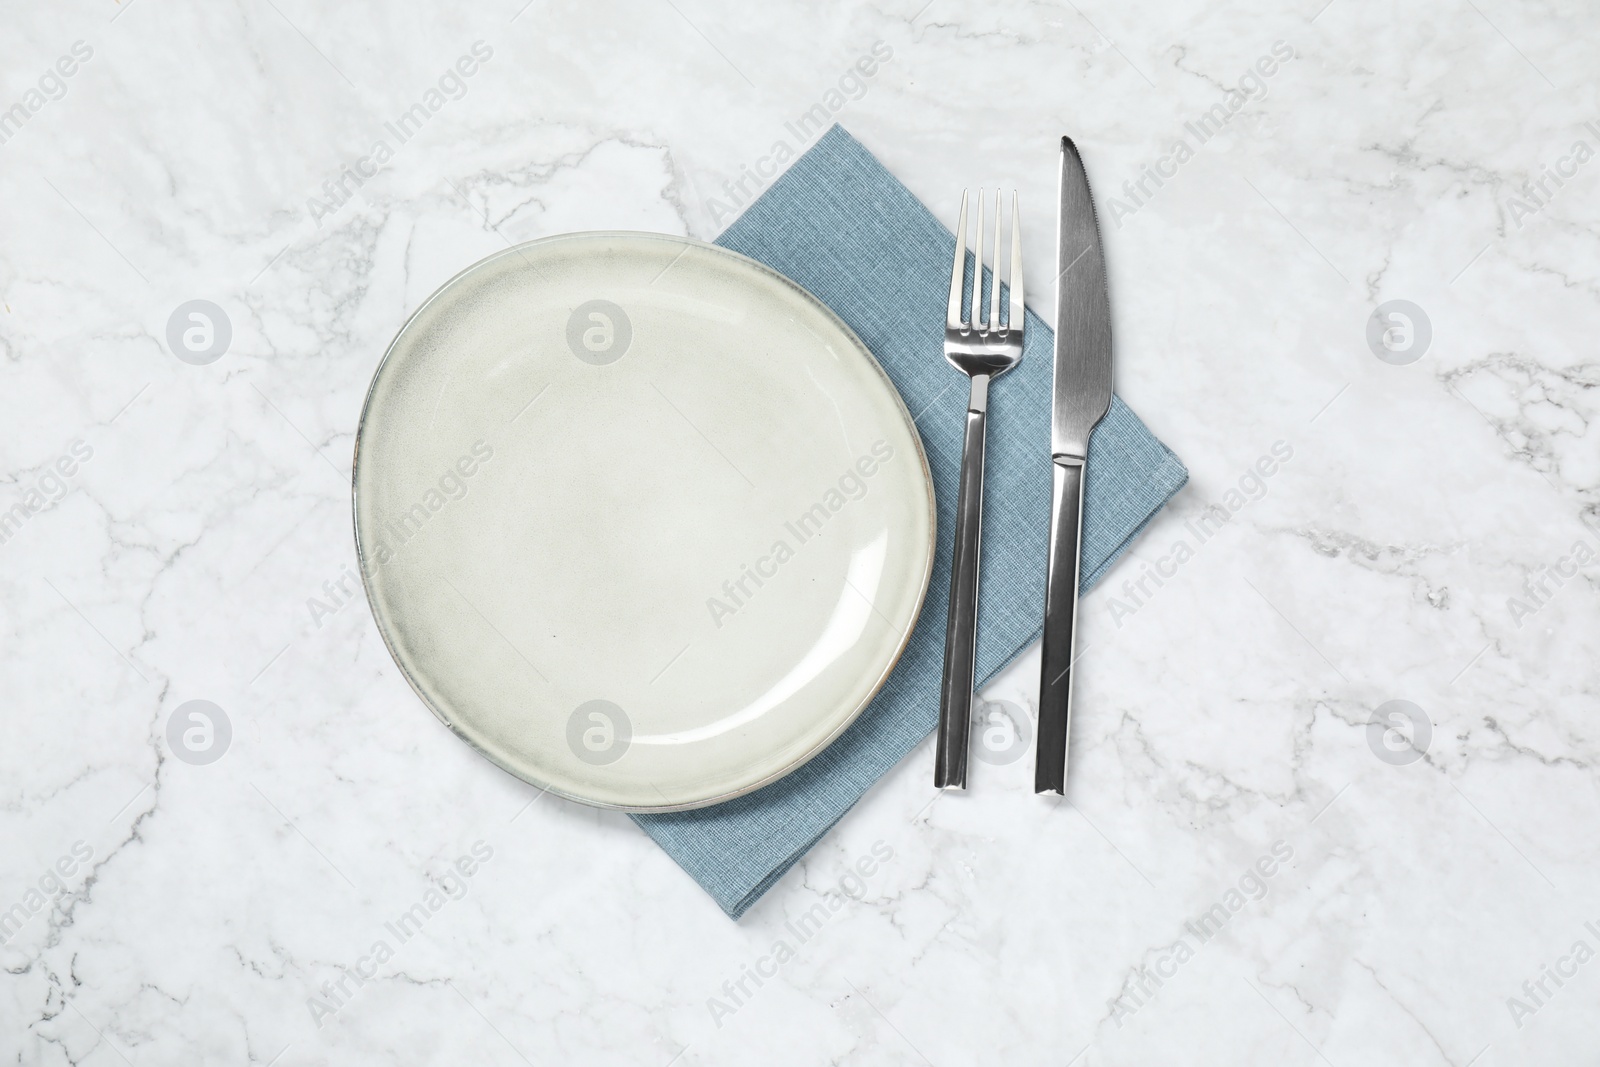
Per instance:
(1082,398)
(983,347)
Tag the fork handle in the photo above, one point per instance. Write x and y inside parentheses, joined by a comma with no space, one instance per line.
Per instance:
(961,635)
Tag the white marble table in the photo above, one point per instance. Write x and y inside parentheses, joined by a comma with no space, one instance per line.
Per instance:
(1245,871)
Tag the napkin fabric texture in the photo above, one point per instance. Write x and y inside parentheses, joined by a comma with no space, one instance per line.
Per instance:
(843,227)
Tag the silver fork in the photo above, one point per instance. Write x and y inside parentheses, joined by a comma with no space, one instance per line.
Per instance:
(983,348)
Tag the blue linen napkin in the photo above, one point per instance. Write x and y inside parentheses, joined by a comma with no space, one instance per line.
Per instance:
(843,227)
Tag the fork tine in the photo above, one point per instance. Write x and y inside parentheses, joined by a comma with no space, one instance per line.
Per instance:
(994,271)
(978,321)
(958,273)
(1014,276)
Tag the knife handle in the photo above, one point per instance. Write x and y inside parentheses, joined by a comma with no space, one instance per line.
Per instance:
(1060,619)
(961,634)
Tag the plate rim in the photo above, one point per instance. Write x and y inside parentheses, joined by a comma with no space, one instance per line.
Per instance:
(923,583)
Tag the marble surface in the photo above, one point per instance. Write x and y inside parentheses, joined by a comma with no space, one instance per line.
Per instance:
(1246,870)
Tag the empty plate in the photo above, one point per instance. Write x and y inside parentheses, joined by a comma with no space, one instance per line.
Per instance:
(639,518)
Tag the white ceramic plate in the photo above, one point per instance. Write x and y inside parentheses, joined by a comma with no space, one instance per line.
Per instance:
(639,518)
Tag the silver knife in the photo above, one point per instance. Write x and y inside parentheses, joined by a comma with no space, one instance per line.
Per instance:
(1082,398)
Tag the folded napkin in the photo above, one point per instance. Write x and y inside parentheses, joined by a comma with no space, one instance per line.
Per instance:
(840,224)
